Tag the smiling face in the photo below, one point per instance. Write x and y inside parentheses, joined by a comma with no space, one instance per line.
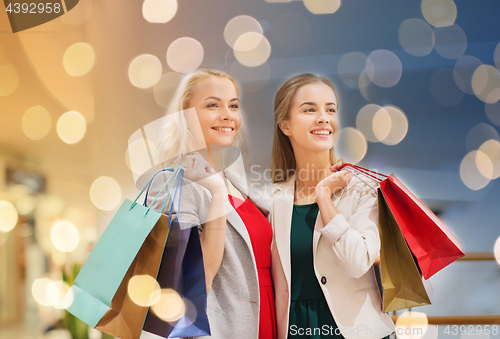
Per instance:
(313,122)
(217,106)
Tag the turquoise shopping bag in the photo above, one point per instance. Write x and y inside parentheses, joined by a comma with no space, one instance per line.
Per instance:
(102,275)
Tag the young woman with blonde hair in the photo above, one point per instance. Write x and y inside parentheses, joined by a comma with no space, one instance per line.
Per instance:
(325,223)
(235,233)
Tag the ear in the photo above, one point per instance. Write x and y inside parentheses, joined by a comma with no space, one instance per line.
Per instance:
(285,127)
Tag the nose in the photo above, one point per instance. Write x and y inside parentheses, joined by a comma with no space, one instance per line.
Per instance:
(226,114)
(322,117)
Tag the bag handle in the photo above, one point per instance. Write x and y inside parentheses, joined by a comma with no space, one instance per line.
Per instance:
(354,169)
(177,187)
(174,176)
(147,186)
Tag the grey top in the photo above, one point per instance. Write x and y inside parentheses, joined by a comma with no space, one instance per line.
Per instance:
(233,302)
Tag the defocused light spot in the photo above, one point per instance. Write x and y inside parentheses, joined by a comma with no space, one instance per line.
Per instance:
(79,14)
(399,126)
(350,67)
(496,250)
(10,80)
(493,112)
(170,307)
(496,56)
(26,205)
(416,37)
(416,322)
(352,145)
(71,127)
(256,56)
(322,6)
(105,193)
(89,234)
(469,173)
(384,68)
(189,316)
(8,216)
(240,25)
(79,59)
(165,88)
(486,83)
(291,31)
(36,122)
(451,41)
(251,79)
(439,13)
(145,71)
(56,294)
(484,165)
(144,290)
(479,134)
(374,122)
(491,149)
(159,11)
(443,88)
(463,71)
(64,236)
(184,55)
(39,291)
(139,158)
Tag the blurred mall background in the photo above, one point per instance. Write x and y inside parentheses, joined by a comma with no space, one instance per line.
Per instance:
(419,90)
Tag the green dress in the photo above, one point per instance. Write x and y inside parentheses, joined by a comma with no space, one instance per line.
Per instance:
(310,316)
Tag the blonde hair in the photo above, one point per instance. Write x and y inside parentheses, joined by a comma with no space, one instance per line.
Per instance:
(175,138)
(283,158)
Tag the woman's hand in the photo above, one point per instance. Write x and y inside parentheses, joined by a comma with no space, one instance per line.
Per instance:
(199,171)
(332,183)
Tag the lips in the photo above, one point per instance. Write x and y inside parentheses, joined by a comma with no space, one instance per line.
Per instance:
(321,131)
(225,129)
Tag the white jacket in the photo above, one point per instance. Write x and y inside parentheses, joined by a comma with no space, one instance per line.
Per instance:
(344,252)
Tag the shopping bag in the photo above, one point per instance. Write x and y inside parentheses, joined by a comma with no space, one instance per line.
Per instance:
(402,283)
(132,244)
(183,310)
(430,241)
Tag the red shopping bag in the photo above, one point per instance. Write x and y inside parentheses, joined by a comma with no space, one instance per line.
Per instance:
(430,241)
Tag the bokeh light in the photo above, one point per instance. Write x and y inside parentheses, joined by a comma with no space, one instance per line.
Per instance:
(170,307)
(484,165)
(463,71)
(290,31)
(322,6)
(416,37)
(251,79)
(139,157)
(496,56)
(443,88)
(470,174)
(10,80)
(399,126)
(159,11)
(79,59)
(253,57)
(165,88)
(479,134)
(374,122)
(490,148)
(493,112)
(352,145)
(496,250)
(439,13)
(145,71)
(36,122)
(240,25)
(26,205)
(64,235)
(185,55)
(39,291)
(451,41)
(144,290)
(79,14)
(411,325)
(486,83)
(71,127)
(59,294)
(384,68)
(105,193)
(8,216)
(350,67)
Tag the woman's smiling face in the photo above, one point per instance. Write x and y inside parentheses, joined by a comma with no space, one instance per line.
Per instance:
(217,106)
(313,121)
